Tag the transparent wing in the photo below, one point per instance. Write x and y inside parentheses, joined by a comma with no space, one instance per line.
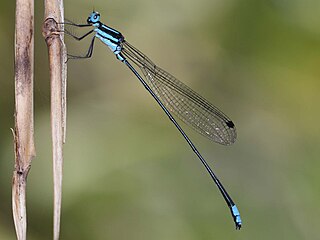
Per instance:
(182,101)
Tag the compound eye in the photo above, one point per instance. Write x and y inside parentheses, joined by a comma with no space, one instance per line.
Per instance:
(96,17)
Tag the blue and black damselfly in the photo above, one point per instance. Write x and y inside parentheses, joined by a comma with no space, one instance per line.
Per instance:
(172,96)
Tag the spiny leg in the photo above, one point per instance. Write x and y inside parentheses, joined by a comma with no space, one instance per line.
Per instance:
(90,50)
(69,22)
(89,53)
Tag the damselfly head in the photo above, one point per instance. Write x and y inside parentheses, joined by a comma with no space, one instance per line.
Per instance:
(93,18)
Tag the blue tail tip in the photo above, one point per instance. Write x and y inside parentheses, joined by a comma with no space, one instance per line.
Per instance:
(236,217)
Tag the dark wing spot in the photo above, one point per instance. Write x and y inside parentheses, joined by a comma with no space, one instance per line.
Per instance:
(230,124)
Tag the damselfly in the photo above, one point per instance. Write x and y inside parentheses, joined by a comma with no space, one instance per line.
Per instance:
(172,96)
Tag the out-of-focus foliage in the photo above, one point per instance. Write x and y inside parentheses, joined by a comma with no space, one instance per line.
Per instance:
(127,172)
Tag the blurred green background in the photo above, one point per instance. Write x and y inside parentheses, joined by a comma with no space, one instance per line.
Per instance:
(128,174)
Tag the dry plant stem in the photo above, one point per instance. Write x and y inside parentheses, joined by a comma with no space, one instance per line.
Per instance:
(57,63)
(23,130)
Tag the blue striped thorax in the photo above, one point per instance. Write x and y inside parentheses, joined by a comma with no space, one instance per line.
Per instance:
(109,36)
